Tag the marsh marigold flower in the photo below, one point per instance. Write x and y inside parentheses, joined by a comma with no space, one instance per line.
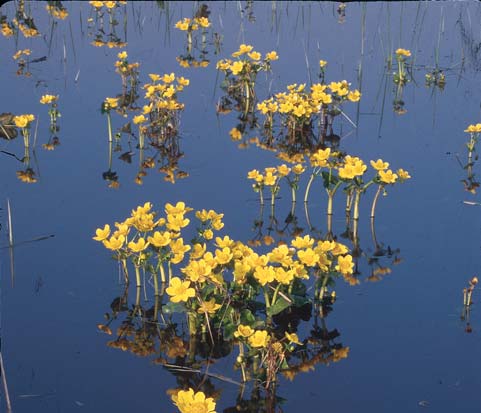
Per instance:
(187,401)
(235,134)
(259,339)
(47,99)
(243,331)
(380,165)
(388,177)
(272,55)
(179,290)
(403,52)
(102,233)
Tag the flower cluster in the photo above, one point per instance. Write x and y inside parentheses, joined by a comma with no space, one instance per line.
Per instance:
(6,29)
(107,4)
(54,114)
(26,26)
(400,77)
(190,25)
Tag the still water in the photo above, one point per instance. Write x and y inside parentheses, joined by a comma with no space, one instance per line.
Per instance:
(408,346)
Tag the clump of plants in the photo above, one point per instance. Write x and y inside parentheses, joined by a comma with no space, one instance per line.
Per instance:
(54,114)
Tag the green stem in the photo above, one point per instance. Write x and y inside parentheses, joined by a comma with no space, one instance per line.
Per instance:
(293,193)
(266,297)
(330,197)
(276,291)
(109,126)
(374,202)
(137,276)
(125,270)
(162,272)
(356,204)
(308,187)
(169,266)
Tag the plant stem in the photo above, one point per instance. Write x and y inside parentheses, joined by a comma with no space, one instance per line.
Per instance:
(308,187)
(137,276)
(109,126)
(162,272)
(374,202)
(356,204)
(274,297)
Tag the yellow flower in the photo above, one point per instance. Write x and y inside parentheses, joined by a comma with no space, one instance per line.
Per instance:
(208,234)
(198,250)
(320,157)
(183,81)
(110,4)
(298,169)
(160,239)
(96,4)
(302,242)
(203,21)
(23,121)
(123,55)
(46,99)
(176,221)
(284,276)
(223,256)
(293,338)
(259,339)
(322,63)
(403,52)
(111,102)
(345,265)
(183,24)
(272,56)
(209,307)
(101,234)
(243,331)
(243,48)
(237,67)
(197,271)
(168,78)
(138,246)
(474,128)
(380,165)
(347,172)
(139,119)
(114,243)
(178,247)
(179,290)
(187,401)
(354,96)
(308,257)
(179,208)
(264,274)
(225,242)
(255,175)
(254,55)
(403,175)
(283,170)
(388,177)
(270,179)
(235,134)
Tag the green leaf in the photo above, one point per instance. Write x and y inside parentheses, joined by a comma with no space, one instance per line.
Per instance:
(229,329)
(280,305)
(171,308)
(247,318)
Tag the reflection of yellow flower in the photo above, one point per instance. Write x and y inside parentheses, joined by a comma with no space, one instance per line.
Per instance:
(259,339)
(111,102)
(322,63)
(189,402)
(203,21)
(139,119)
(235,134)
(179,290)
(102,233)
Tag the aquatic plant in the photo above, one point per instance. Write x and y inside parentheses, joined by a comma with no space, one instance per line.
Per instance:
(57,10)
(400,77)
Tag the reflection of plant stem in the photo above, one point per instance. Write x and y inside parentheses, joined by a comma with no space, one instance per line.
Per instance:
(308,187)
(329,227)
(169,266)
(373,234)
(261,194)
(156,284)
(137,297)
(330,196)
(110,155)
(293,194)
(125,270)
(306,211)
(374,202)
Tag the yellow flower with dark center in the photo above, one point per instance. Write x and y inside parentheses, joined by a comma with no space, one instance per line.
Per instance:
(243,331)
(345,265)
(235,134)
(259,339)
(187,401)
(102,233)
(380,165)
(138,246)
(114,243)
(160,239)
(388,177)
(179,290)
(209,307)
(47,99)
(292,337)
